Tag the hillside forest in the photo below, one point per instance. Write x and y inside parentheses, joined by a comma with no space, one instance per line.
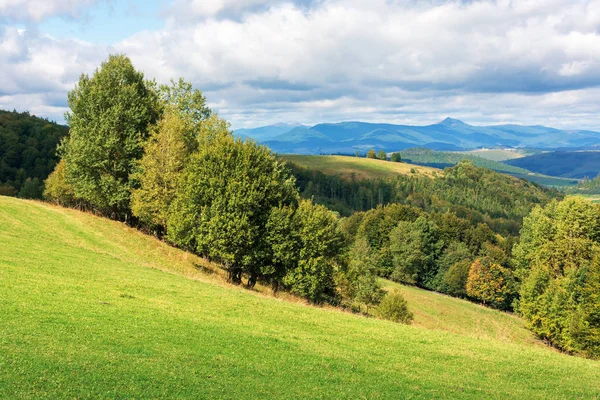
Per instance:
(158,158)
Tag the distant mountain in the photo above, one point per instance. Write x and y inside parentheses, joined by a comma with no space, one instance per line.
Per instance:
(566,164)
(266,132)
(449,134)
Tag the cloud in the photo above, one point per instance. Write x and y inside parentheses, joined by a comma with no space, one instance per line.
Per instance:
(37,10)
(263,61)
(38,70)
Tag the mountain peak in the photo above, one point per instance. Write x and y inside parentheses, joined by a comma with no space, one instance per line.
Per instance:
(451,122)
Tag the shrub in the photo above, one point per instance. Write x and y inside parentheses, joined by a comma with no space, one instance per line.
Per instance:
(394,307)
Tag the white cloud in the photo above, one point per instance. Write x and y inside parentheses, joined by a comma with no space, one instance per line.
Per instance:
(262,61)
(37,10)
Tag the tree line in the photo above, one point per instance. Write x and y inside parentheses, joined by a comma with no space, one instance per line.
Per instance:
(156,156)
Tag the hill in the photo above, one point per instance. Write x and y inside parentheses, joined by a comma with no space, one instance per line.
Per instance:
(566,164)
(93,309)
(360,167)
(447,135)
(27,152)
(440,159)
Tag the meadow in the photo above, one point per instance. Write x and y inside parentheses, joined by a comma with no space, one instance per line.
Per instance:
(361,167)
(90,308)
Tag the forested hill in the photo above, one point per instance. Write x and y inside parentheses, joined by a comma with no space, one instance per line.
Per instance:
(441,159)
(471,192)
(27,152)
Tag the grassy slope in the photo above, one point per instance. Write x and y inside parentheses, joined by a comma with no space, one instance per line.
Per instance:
(363,167)
(437,311)
(89,311)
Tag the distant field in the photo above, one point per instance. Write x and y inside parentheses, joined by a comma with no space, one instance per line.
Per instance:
(594,198)
(497,154)
(362,167)
(90,308)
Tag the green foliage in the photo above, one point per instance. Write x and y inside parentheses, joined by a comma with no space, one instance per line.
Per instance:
(394,307)
(382,155)
(109,119)
(469,192)
(224,200)
(454,281)
(360,282)
(321,243)
(558,258)
(371,154)
(491,283)
(57,188)
(185,123)
(27,153)
(415,247)
(396,157)
(451,276)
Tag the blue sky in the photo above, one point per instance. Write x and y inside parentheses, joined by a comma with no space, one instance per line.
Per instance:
(266,61)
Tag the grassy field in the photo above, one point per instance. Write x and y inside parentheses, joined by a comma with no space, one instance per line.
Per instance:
(498,154)
(92,309)
(440,312)
(362,167)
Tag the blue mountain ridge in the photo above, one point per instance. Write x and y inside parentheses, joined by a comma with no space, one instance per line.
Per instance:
(449,134)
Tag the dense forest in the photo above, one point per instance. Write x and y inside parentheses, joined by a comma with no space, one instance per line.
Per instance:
(159,159)
(477,194)
(27,153)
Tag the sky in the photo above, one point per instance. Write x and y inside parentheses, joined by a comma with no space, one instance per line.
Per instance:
(261,62)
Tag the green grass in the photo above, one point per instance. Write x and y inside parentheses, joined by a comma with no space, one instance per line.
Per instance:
(367,168)
(440,312)
(92,309)
(498,154)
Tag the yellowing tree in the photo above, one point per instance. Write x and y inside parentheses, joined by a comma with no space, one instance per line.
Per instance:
(491,283)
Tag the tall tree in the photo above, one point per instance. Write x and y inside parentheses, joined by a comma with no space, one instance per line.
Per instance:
(109,120)
(186,122)
(321,243)
(224,201)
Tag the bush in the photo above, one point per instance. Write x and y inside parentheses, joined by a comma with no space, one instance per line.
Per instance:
(394,307)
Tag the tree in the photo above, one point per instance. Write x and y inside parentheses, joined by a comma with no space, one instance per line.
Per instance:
(356,153)
(224,200)
(360,282)
(396,157)
(371,154)
(490,283)
(381,155)
(456,255)
(415,247)
(109,120)
(283,239)
(321,244)
(57,189)
(454,281)
(558,261)
(395,308)
(172,140)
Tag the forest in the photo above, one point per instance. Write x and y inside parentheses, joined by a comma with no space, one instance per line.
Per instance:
(159,159)
(27,153)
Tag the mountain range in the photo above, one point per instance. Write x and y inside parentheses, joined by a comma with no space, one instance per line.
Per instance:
(449,134)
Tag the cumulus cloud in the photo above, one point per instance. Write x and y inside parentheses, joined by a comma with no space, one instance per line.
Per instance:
(262,61)
(38,70)
(37,10)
